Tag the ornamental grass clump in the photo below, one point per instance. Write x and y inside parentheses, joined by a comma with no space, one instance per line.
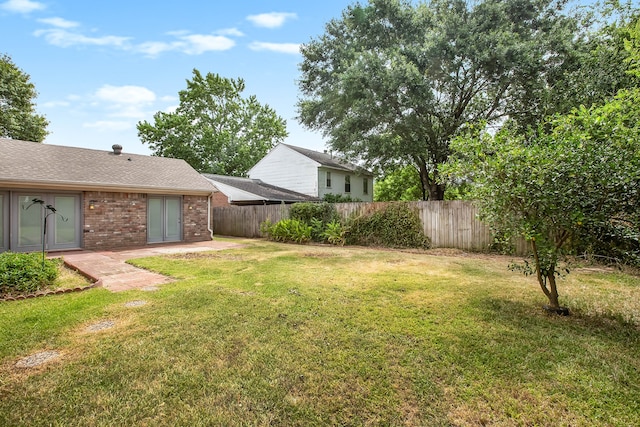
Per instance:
(26,273)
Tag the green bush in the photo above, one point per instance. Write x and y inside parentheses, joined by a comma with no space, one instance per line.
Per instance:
(25,273)
(335,233)
(395,225)
(315,215)
(287,230)
(338,198)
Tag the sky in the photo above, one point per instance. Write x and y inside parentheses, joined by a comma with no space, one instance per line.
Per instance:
(101,67)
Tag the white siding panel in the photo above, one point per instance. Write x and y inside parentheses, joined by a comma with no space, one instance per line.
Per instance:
(337,185)
(288,169)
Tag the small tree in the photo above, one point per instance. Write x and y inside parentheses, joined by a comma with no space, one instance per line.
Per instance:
(18,119)
(549,187)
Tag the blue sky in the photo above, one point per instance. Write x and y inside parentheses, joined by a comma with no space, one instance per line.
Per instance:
(101,67)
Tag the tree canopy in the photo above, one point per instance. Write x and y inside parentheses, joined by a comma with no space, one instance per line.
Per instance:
(18,119)
(392,82)
(214,129)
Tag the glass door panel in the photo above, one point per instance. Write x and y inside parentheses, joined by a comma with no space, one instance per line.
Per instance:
(172,216)
(154,220)
(66,230)
(29,223)
(4,223)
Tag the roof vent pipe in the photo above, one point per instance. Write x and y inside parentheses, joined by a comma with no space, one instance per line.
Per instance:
(117,149)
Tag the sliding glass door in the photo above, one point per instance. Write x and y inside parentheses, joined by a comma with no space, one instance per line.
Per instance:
(31,211)
(164,219)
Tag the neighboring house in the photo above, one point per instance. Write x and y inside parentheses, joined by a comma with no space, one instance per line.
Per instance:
(103,199)
(313,173)
(247,191)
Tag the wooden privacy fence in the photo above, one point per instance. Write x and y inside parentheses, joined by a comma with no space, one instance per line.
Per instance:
(449,224)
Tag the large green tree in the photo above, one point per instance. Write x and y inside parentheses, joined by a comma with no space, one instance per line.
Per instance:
(392,82)
(214,128)
(18,119)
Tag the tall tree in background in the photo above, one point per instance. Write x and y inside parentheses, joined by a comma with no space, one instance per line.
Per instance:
(392,83)
(214,129)
(18,119)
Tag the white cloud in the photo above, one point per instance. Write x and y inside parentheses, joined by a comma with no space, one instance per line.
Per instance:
(153,49)
(271,20)
(59,22)
(195,44)
(55,104)
(124,101)
(190,44)
(22,6)
(290,48)
(125,94)
(110,125)
(63,38)
(230,32)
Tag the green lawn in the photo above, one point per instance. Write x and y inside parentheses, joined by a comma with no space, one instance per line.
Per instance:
(284,335)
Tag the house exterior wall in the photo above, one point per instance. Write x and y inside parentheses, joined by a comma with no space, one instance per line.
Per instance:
(338,179)
(219,199)
(286,168)
(195,210)
(119,220)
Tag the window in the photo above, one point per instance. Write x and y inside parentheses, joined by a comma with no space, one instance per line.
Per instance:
(347,184)
(365,186)
(328,179)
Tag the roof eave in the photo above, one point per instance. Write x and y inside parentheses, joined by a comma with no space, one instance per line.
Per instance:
(75,186)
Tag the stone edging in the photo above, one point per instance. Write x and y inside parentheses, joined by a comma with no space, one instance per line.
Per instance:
(96,283)
(53,292)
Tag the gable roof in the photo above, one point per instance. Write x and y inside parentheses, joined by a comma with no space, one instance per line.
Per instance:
(330,161)
(249,191)
(28,164)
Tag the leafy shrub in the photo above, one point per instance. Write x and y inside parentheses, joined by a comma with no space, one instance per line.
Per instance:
(24,273)
(316,215)
(307,211)
(335,233)
(338,198)
(395,225)
(287,230)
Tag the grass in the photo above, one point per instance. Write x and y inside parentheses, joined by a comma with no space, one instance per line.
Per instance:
(275,334)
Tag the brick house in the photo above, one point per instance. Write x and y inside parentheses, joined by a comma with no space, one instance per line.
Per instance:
(103,199)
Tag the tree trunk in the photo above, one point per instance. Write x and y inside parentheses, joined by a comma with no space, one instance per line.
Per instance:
(430,184)
(553,291)
(436,191)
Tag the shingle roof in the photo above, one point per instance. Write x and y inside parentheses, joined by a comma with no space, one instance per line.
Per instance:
(24,163)
(329,160)
(255,190)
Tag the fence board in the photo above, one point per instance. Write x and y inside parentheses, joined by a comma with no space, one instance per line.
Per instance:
(449,223)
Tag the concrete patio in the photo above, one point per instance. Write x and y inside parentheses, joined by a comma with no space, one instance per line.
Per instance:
(109,269)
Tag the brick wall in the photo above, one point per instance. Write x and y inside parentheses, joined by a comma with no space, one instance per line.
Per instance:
(194,219)
(219,199)
(118,220)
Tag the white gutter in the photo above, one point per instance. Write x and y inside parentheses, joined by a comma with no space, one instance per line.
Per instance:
(209,199)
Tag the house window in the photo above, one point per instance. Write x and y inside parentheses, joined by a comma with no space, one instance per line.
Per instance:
(347,184)
(365,186)
(328,179)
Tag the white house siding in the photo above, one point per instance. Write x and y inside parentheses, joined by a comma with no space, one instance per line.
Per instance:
(338,184)
(286,168)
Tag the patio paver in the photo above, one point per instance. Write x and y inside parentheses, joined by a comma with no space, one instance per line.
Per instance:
(110,269)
